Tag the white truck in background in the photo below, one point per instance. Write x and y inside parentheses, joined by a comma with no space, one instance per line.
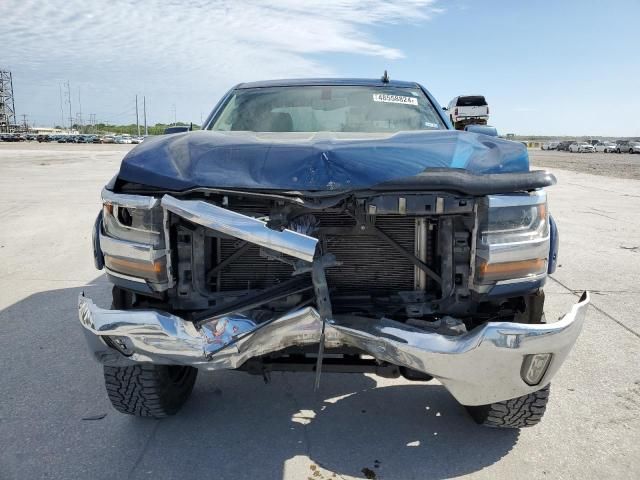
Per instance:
(467,110)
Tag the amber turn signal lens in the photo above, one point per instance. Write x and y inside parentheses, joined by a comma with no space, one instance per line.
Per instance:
(508,270)
(154,271)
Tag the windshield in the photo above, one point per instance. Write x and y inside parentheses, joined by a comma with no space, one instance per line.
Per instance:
(328,109)
(471,101)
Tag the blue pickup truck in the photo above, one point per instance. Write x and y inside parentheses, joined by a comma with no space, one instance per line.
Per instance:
(330,225)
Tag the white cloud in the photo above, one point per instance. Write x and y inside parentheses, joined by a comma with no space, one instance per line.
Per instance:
(187,49)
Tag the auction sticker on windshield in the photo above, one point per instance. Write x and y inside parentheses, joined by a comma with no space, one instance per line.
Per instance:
(386,98)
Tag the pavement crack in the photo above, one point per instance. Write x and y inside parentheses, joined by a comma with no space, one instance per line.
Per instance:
(600,215)
(143,452)
(596,308)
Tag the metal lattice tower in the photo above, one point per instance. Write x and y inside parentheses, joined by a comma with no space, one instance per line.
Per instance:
(7,105)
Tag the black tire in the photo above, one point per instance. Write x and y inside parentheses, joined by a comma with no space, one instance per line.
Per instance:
(148,390)
(525,411)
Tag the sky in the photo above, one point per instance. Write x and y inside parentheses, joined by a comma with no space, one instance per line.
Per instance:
(559,67)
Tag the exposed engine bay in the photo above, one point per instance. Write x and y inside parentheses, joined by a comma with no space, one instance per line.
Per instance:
(407,257)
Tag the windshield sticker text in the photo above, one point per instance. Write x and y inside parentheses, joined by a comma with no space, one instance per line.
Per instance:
(386,98)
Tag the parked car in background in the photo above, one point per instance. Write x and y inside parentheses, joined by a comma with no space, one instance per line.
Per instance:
(11,137)
(176,129)
(581,147)
(468,109)
(123,139)
(606,147)
(549,145)
(633,147)
(564,146)
(622,146)
(108,139)
(43,138)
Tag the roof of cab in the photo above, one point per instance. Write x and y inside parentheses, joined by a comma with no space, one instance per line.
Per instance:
(373,82)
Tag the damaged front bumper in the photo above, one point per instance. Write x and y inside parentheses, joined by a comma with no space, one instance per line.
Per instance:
(482,366)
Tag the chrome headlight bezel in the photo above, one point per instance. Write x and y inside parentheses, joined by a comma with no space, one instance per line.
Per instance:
(132,238)
(134,218)
(513,238)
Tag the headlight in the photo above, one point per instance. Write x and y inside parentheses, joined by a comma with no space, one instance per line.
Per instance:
(134,218)
(132,240)
(513,237)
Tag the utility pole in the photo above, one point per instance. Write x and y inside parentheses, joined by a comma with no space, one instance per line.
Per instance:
(80,108)
(24,122)
(69,99)
(144,108)
(137,118)
(174,114)
(61,109)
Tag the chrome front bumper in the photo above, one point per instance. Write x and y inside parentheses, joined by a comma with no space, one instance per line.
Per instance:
(479,367)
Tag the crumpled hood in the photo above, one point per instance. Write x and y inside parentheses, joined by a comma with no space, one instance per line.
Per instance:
(312,161)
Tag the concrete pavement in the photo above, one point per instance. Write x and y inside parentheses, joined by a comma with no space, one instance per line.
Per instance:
(56,421)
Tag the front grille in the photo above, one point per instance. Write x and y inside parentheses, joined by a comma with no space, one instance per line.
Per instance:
(369,264)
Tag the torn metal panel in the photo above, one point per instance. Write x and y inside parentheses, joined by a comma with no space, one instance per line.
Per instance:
(243,227)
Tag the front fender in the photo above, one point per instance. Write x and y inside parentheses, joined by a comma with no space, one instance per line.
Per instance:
(553,245)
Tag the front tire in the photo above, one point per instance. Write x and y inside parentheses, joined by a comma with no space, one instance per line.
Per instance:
(148,390)
(525,411)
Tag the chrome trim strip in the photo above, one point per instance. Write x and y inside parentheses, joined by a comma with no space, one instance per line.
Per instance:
(155,287)
(517,200)
(130,201)
(113,273)
(125,249)
(512,252)
(479,367)
(242,227)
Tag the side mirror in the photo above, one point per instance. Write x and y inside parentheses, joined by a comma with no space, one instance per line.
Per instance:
(483,129)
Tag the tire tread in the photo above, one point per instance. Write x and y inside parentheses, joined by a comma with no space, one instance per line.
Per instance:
(525,411)
(146,390)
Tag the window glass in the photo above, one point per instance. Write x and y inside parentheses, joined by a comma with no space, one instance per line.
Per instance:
(330,109)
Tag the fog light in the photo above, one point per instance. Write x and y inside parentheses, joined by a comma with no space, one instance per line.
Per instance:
(122,344)
(534,367)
